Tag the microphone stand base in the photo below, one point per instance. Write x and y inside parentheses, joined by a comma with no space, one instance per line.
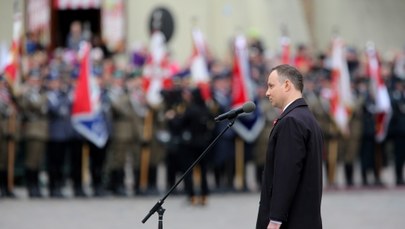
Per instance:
(160,212)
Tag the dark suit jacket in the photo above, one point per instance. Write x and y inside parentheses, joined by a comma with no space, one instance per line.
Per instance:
(292,178)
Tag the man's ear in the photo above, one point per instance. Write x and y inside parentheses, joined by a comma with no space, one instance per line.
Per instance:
(287,85)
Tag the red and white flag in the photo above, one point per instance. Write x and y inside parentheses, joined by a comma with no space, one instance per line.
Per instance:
(242,90)
(383,110)
(285,50)
(250,126)
(158,70)
(12,66)
(341,95)
(198,67)
(87,118)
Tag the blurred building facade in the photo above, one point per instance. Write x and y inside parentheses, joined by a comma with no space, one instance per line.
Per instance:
(308,21)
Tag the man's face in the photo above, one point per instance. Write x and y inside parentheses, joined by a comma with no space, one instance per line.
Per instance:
(34,82)
(275,90)
(54,84)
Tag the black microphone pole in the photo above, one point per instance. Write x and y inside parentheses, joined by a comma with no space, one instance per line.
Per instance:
(158,206)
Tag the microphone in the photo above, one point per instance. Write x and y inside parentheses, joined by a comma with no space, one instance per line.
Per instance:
(246,108)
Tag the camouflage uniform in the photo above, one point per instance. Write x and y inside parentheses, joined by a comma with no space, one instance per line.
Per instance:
(151,147)
(349,145)
(320,106)
(125,137)
(7,109)
(33,103)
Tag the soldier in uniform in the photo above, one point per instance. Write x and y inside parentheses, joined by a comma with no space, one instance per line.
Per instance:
(368,142)
(138,104)
(398,129)
(270,114)
(151,147)
(349,145)
(97,155)
(223,153)
(33,102)
(126,126)
(173,111)
(6,110)
(198,124)
(60,132)
(157,148)
(75,155)
(322,112)
(317,93)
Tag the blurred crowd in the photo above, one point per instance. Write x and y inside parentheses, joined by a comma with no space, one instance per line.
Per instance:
(36,120)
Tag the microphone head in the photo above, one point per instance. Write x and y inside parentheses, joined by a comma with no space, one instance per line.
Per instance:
(249,107)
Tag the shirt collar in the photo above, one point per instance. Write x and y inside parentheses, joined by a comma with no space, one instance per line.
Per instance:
(287,105)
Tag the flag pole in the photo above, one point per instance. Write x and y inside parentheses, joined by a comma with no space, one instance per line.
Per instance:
(332,159)
(239,163)
(12,122)
(145,151)
(85,163)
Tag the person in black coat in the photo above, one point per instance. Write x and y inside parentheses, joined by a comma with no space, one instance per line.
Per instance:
(292,179)
(198,126)
(368,142)
(398,129)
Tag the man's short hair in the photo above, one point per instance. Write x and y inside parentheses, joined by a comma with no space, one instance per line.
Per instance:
(289,72)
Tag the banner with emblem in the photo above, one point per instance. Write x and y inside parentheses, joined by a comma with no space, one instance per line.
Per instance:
(87,118)
(383,110)
(248,127)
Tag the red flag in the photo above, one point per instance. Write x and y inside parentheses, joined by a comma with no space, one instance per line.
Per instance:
(250,126)
(87,118)
(82,91)
(285,50)
(11,69)
(241,83)
(378,88)
(341,95)
(199,67)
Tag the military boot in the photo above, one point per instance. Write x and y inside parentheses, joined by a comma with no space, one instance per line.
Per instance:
(349,174)
(118,183)
(54,185)
(98,187)
(137,190)
(32,183)
(3,184)
(4,191)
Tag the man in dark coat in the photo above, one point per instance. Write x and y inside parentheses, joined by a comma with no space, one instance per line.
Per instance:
(292,179)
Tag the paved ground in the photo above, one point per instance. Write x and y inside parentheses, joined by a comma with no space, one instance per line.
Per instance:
(359,209)
(353,209)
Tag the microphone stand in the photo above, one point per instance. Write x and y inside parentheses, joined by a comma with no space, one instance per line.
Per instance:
(158,206)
